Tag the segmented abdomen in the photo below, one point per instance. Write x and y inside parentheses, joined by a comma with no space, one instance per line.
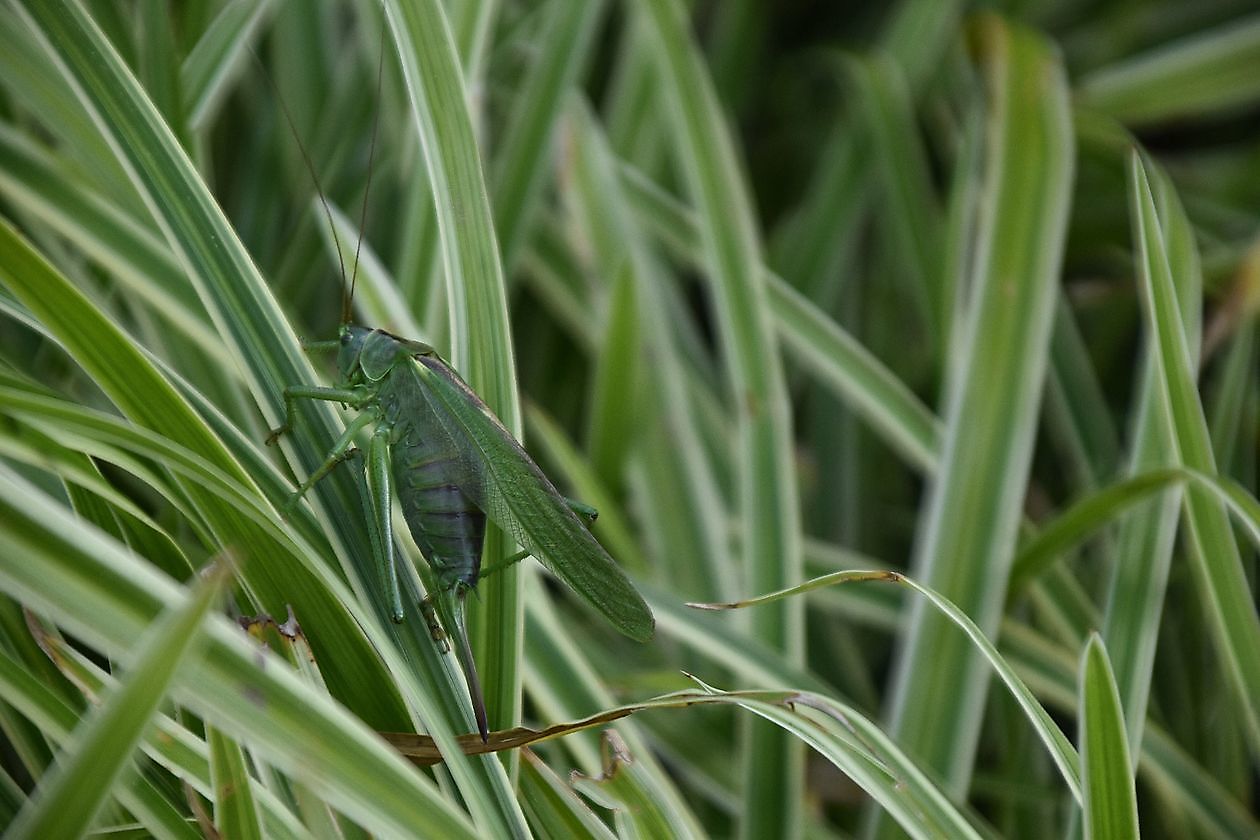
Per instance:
(447,527)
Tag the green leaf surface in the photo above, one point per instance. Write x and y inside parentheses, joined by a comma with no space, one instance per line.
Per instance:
(909,206)
(554,808)
(1110,799)
(235,811)
(73,792)
(521,160)
(106,597)
(564,685)
(204,74)
(767,498)
(1060,749)
(766,308)
(1074,525)
(1215,560)
(1144,543)
(1199,76)
(265,348)
(812,338)
(688,499)
(969,527)
(168,743)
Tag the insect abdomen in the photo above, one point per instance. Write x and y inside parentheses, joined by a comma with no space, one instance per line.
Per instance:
(448,528)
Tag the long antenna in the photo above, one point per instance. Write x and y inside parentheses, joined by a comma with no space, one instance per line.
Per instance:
(306,158)
(346,297)
(376,122)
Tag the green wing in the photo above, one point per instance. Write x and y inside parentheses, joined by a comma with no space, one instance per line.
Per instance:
(499,477)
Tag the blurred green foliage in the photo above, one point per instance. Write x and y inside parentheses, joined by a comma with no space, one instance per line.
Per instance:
(966,291)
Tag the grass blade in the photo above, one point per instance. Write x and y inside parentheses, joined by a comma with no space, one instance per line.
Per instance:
(554,808)
(169,745)
(521,163)
(767,499)
(969,526)
(1110,800)
(811,337)
(1145,541)
(106,597)
(150,401)
(1083,518)
(265,348)
(235,812)
(907,202)
(1215,561)
(1064,756)
(1199,76)
(75,789)
(260,340)
(210,63)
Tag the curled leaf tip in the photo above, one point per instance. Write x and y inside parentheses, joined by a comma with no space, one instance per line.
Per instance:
(700,605)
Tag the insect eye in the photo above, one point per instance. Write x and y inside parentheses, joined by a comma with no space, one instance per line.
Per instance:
(345,338)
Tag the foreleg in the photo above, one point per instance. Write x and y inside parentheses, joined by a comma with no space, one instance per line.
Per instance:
(344,448)
(353,397)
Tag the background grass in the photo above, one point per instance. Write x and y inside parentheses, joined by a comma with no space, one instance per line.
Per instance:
(968,293)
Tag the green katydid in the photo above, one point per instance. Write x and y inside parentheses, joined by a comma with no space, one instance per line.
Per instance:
(440,451)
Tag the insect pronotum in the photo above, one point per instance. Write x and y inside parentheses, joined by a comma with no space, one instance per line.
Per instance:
(437,449)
